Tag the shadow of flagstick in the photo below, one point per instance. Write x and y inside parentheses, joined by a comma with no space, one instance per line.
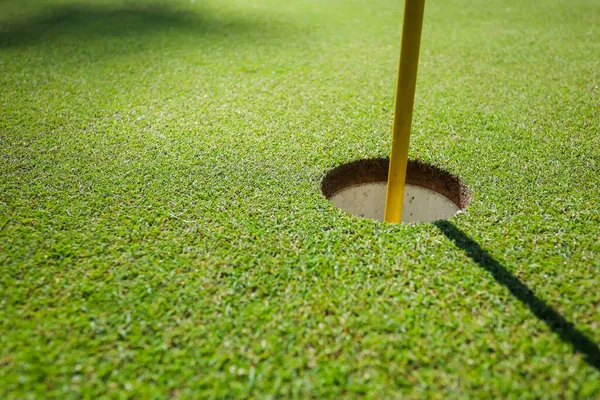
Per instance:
(556,322)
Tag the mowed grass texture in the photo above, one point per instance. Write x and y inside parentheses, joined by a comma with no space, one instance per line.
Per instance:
(163,232)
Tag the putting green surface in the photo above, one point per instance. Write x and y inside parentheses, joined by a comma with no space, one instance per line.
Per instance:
(163,232)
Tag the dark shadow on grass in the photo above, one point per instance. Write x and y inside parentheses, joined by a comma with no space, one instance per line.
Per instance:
(546,313)
(81,22)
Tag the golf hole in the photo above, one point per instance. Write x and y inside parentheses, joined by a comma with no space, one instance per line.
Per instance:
(431,194)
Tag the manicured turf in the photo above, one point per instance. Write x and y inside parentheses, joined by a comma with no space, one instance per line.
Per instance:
(163,233)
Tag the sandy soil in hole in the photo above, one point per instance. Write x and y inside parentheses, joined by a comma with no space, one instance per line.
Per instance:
(420,204)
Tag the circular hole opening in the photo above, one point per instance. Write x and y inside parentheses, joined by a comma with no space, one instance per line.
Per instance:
(431,194)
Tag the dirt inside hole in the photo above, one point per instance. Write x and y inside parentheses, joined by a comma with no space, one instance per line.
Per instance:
(431,193)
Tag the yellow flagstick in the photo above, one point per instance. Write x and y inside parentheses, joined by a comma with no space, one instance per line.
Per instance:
(405,98)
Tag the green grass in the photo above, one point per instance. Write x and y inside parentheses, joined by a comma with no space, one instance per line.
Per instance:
(163,234)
